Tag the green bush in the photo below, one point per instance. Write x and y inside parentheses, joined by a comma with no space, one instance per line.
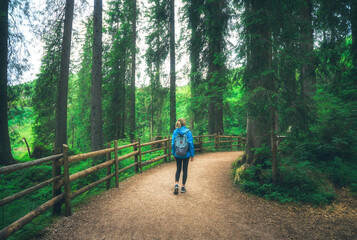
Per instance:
(298,182)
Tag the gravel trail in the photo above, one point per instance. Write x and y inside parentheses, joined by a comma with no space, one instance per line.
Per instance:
(144,207)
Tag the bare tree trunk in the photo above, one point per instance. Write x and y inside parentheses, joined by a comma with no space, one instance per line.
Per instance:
(215,84)
(132,92)
(27,146)
(274,149)
(62,94)
(172,68)
(260,60)
(5,147)
(96,88)
(354,36)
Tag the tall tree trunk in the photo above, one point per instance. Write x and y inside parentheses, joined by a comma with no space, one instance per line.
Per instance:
(198,105)
(123,102)
(215,77)
(260,61)
(132,92)
(96,88)
(354,36)
(172,67)
(307,46)
(61,105)
(5,147)
(62,94)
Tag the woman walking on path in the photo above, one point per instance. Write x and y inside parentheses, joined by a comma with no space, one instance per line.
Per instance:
(182,150)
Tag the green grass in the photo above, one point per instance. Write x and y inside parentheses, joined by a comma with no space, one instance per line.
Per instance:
(19,128)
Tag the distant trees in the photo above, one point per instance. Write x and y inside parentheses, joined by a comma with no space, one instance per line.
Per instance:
(216,18)
(158,48)
(197,50)
(46,84)
(80,109)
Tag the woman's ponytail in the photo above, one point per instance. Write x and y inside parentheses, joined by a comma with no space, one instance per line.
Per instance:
(180,122)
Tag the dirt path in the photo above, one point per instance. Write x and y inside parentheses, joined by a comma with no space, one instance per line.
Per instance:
(144,207)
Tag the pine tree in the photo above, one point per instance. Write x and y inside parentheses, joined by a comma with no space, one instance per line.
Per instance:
(80,111)
(61,105)
(197,49)
(44,101)
(96,87)
(157,52)
(216,18)
(5,148)
(258,80)
(133,68)
(172,67)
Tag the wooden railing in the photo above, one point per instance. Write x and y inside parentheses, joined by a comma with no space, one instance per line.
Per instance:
(62,163)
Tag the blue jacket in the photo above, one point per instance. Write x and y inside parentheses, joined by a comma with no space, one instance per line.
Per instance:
(191,148)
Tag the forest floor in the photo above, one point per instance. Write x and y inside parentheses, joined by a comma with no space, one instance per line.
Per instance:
(144,207)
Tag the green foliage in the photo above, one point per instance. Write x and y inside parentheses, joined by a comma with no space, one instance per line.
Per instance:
(45,89)
(298,183)
(79,96)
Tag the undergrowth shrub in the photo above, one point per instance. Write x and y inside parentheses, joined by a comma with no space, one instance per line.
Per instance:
(298,182)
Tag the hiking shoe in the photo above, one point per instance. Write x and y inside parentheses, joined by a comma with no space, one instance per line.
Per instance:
(183,190)
(176,189)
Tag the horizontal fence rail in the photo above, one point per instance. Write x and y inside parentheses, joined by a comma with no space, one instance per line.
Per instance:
(61,165)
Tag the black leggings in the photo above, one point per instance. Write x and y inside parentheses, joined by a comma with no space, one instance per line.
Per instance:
(179,166)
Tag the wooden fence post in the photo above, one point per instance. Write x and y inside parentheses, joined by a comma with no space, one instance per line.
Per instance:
(56,171)
(66,187)
(239,137)
(231,143)
(201,143)
(219,142)
(136,158)
(116,163)
(109,169)
(169,142)
(141,167)
(165,150)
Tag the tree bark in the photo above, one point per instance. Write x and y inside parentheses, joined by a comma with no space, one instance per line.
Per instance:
(5,147)
(307,46)
(216,67)
(96,88)
(172,68)
(132,92)
(62,94)
(354,37)
(260,61)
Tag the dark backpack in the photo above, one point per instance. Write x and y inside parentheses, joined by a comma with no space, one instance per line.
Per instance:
(181,144)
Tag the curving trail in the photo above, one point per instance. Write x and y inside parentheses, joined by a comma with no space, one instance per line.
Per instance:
(144,207)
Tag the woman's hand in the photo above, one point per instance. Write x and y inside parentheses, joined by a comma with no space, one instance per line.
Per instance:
(192,158)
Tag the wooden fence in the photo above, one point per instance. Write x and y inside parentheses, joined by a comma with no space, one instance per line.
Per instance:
(61,177)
